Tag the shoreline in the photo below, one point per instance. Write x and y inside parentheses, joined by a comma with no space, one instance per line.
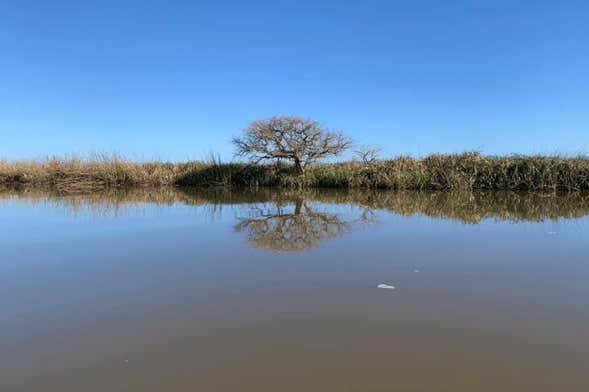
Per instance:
(467,171)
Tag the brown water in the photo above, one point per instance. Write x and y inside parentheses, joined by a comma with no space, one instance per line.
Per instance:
(221,291)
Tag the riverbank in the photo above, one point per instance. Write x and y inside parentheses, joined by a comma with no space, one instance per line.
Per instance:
(468,171)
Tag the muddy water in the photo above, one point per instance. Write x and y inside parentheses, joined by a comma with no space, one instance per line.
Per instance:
(171,290)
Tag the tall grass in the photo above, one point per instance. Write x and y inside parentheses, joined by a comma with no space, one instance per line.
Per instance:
(468,171)
(98,171)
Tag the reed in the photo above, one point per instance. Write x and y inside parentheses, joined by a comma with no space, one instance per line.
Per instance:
(467,171)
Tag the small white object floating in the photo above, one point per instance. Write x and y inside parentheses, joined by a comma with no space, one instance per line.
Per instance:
(415,270)
(552,232)
(385,286)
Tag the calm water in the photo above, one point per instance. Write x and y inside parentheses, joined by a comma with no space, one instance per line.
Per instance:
(274,291)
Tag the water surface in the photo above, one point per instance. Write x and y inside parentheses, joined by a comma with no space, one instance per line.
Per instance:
(183,290)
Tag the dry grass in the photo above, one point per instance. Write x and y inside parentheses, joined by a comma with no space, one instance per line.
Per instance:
(469,171)
(97,172)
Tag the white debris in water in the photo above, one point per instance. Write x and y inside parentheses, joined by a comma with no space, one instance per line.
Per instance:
(415,270)
(385,286)
(552,232)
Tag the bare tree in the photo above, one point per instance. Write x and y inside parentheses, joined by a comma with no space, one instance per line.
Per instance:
(367,155)
(299,140)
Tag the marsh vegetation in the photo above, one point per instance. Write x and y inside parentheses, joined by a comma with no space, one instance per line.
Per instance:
(286,151)
(468,171)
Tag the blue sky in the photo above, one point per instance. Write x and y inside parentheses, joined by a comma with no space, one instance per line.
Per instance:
(176,80)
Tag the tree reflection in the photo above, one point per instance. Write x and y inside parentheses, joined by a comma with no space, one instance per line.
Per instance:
(301,206)
(295,227)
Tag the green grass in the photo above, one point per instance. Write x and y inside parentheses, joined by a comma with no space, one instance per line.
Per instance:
(468,171)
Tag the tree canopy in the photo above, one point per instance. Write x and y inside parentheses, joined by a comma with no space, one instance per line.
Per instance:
(299,140)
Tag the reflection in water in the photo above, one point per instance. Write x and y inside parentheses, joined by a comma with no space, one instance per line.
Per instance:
(291,221)
(165,299)
(284,229)
(464,207)
(475,207)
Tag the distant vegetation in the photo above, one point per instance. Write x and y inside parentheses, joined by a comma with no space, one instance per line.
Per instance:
(285,151)
(468,171)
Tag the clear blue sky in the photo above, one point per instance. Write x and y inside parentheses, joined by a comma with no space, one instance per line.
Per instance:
(177,79)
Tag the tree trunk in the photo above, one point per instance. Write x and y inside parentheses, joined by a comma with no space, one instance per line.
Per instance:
(298,166)
(298,206)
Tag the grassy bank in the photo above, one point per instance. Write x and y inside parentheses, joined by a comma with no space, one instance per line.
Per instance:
(469,171)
